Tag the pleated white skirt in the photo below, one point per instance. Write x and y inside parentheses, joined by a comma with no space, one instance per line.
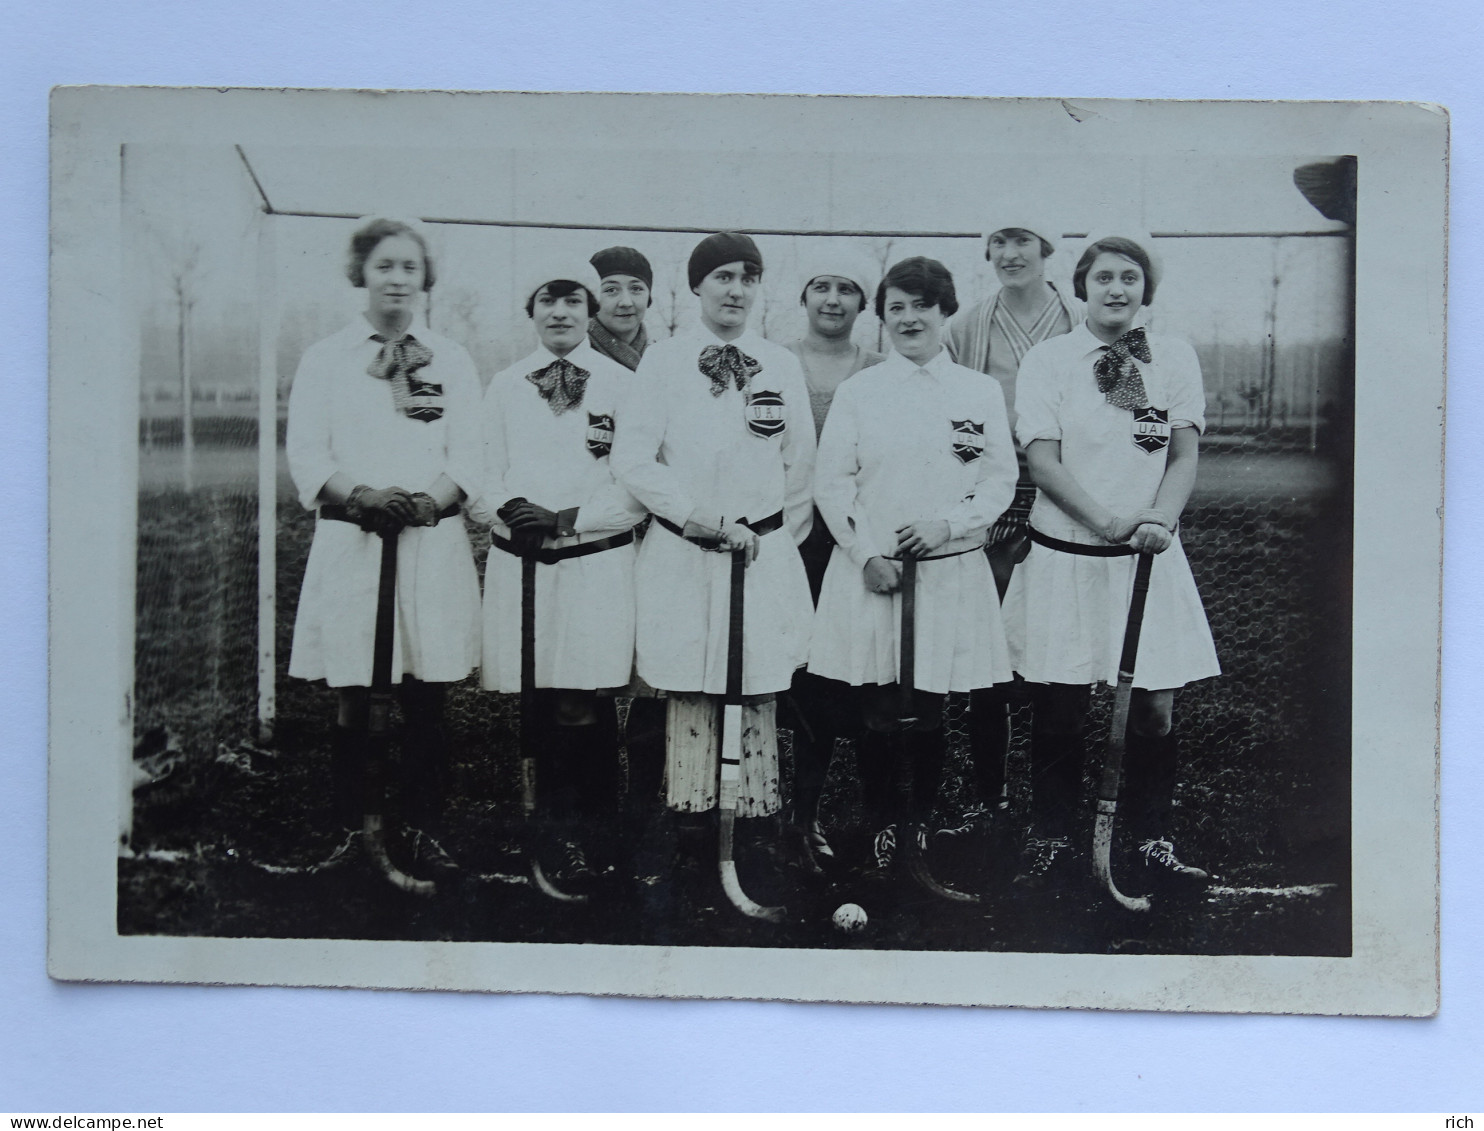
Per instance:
(960,640)
(684,598)
(584,621)
(437,608)
(1065,616)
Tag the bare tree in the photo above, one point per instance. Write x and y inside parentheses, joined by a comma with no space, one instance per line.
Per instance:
(670,307)
(881,251)
(183,270)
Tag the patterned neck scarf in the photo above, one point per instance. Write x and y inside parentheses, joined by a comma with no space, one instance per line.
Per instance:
(561,384)
(727,365)
(1118,377)
(610,345)
(398,361)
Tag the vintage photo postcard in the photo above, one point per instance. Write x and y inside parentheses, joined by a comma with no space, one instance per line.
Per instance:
(951,551)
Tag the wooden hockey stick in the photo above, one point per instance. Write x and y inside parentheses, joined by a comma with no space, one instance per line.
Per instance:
(730,767)
(528,721)
(1102,834)
(378,725)
(916,866)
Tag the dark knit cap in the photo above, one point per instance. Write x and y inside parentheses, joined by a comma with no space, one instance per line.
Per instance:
(622,261)
(719,250)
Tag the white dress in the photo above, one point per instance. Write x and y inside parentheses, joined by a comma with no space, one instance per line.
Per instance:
(683,452)
(341,419)
(584,605)
(1065,613)
(906,442)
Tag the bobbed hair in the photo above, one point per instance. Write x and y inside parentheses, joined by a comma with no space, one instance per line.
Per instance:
(371,233)
(1117,245)
(1047,251)
(561,288)
(926,278)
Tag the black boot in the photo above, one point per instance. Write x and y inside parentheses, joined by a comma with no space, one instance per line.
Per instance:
(694,871)
(989,747)
(1151,766)
(1049,856)
(347,775)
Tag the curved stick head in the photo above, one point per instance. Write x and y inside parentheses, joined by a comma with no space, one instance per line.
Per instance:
(375,845)
(1102,848)
(549,889)
(917,869)
(740,899)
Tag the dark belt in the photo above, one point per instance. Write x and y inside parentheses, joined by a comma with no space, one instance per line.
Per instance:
(552,555)
(936,557)
(1081,548)
(762,526)
(338,513)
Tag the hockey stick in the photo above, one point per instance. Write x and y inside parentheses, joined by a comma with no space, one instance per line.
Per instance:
(906,684)
(528,720)
(1102,835)
(378,722)
(730,768)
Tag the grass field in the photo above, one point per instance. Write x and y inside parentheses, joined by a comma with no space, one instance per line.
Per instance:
(228,833)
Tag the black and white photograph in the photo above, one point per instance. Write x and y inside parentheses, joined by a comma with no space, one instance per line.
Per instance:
(806,548)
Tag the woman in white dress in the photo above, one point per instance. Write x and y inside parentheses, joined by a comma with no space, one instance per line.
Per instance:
(383,436)
(915,459)
(548,427)
(1110,417)
(717,442)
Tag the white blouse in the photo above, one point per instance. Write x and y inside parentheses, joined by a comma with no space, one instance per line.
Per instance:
(685,453)
(341,419)
(1116,455)
(561,461)
(905,442)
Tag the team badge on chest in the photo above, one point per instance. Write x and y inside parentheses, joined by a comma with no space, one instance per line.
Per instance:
(1152,429)
(765,414)
(424,400)
(968,440)
(599,434)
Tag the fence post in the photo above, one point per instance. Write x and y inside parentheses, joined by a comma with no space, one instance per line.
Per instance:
(268,316)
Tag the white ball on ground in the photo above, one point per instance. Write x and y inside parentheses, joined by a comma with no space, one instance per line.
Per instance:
(849,917)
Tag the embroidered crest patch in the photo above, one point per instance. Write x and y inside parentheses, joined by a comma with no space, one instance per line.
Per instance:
(765,414)
(424,400)
(599,434)
(968,440)
(1152,428)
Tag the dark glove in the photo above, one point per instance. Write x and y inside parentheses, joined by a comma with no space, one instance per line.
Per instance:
(381,510)
(526,538)
(426,508)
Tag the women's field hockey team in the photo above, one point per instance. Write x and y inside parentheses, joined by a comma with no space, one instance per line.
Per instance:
(1024,452)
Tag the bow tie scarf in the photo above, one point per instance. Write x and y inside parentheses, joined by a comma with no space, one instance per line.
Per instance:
(398,361)
(727,365)
(1118,377)
(561,384)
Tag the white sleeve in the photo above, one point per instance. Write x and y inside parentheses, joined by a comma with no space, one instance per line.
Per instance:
(1038,396)
(610,506)
(799,454)
(835,470)
(495,457)
(994,487)
(307,444)
(636,465)
(463,409)
(1187,390)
